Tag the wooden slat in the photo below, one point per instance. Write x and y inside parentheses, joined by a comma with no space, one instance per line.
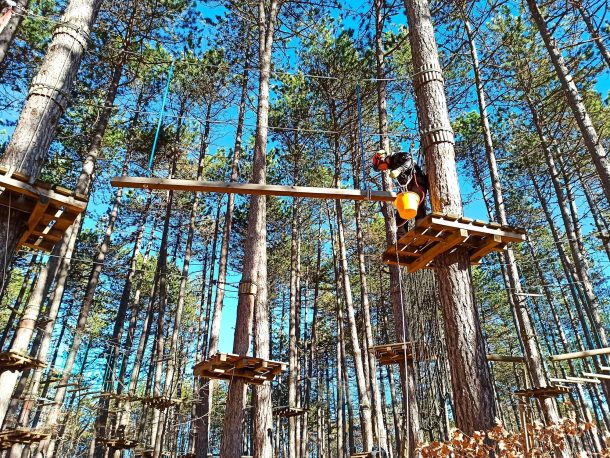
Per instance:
(508,235)
(251,189)
(505,358)
(450,242)
(580,354)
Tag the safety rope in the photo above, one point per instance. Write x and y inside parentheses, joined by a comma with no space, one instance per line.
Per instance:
(161,112)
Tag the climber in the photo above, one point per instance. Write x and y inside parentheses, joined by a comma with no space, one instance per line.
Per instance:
(409,176)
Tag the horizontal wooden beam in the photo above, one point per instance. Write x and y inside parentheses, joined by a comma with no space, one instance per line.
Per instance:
(505,358)
(599,376)
(570,379)
(580,354)
(175,184)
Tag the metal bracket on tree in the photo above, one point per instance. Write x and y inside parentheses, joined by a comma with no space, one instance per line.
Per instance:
(247,287)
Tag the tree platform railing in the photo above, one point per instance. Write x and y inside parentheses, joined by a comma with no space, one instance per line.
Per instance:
(436,234)
(227,366)
(14,361)
(287,411)
(396,352)
(9,437)
(51,209)
(543,392)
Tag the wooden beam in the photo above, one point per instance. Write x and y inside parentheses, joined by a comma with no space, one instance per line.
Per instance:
(505,358)
(250,188)
(570,379)
(598,376)
(580,354)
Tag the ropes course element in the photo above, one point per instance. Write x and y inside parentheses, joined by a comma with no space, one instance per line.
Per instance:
(175,184)
(161,112)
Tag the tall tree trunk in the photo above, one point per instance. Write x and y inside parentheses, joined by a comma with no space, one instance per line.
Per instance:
(254,276)
(46,102)
(7,35)
(293,361)
(575,101)
(206,387)
(526,329)
(48,445)
(593,31)
(470,376)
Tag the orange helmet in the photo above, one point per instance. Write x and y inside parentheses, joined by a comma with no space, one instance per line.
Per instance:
(379,162)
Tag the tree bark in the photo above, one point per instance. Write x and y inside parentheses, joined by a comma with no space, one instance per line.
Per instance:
(202,424)
(254,306)
(46,102)
(470,376)
(7,35)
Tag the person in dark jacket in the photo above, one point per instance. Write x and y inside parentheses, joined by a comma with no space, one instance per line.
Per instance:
(409,176)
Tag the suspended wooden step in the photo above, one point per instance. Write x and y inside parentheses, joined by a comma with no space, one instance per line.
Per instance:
(436,234)
(14,361)
(124,396)
(188,455)
(175,184)
(543,392)
(227,366)
(9,437)
(118,443)
(505,358)
(51,209)
(364,455)
(159,402)
(396,352)
(287,411)
(147,453)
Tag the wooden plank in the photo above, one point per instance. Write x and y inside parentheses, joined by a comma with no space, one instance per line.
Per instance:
(34,192)
(508,235)
(598,376)
(580,354)
(488,245)
(437,249)
(175,184)
(505,358)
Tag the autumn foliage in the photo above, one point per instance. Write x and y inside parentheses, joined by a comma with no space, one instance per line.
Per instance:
(499,442)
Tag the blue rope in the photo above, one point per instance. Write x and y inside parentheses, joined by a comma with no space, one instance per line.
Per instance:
(165,94)
(360,135)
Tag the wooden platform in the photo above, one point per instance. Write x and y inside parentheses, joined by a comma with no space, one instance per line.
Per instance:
(8,437)
(226,366)
(436,234)
(176,184)
(159,402)
(117,442)
(543,392)
(396,352)
(287,411)
(13,361)
(51,209)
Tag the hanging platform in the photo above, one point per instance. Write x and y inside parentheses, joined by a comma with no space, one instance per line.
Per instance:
(287,411)
(9,437)
(227,366)
(436,234)
(505,358)
(175,184)
(13,361)
(396,352)
(51,209)
(543,392)
(117,443)
(159,402)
